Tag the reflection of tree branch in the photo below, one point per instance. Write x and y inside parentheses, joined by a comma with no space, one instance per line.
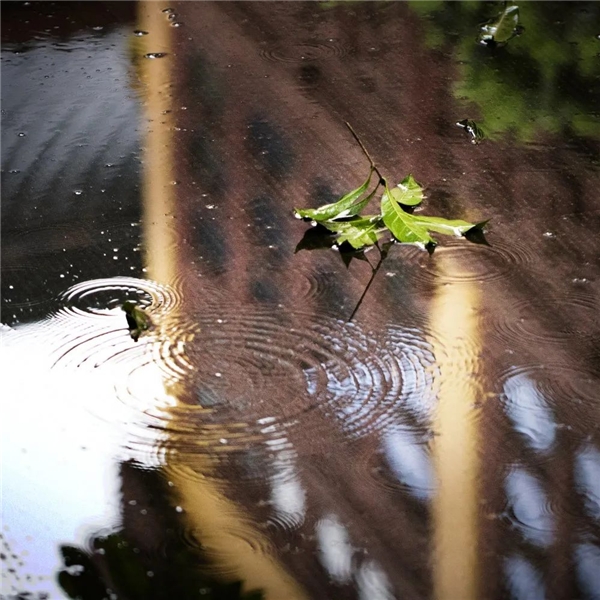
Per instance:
(374,269)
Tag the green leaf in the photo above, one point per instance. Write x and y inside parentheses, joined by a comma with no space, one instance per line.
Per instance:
(403,225)
(502,28)
(408,192)
(137,319)
(361,232)
(344,207)
(454,227)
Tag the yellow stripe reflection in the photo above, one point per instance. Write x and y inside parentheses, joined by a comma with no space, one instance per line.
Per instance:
(158,191)
(455,507)
(210,515)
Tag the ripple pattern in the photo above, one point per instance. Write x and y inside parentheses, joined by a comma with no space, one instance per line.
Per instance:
(467,262)
(525,324)
(308,52)
(535,408)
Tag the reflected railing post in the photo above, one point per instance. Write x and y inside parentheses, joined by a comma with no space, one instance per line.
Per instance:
(455,447)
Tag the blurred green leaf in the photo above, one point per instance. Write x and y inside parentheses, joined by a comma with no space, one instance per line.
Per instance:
(501,28)
(347,206)
(138,320)
(475,132)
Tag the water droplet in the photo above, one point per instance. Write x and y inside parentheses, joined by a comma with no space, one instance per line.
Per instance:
(78,192)
(549,234)
(21,134)
(179,509)
(140,33)
(98,28)
(14,171)
(168,10)
(210,206)
(155,55)
(176,24)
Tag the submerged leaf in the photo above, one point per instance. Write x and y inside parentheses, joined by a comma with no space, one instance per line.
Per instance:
(408,192)
(402,224)
(347,206)
(137,319)
(500,29)
(361,232)
(475,132)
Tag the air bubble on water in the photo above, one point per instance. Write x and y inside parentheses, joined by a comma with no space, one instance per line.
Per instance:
(78,192)
(98,28)
(176,24)
(140,33)
(153,55)
(21,134)
(549,234)
(179,509)
(168,11)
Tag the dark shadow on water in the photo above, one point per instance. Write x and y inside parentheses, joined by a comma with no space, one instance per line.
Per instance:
(150,558)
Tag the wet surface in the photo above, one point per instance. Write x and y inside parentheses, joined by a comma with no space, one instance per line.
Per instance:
(254,441)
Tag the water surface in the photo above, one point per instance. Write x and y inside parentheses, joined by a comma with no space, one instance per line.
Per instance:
(255,441)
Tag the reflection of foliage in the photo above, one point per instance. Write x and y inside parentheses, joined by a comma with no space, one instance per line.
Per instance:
(151,559)
(545,80)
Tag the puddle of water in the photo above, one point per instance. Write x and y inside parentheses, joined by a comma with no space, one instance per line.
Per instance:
(441,444)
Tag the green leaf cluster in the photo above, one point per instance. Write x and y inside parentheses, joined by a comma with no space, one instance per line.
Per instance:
(395,220)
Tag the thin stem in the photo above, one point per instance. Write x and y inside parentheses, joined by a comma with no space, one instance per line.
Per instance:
(366,152)
(360,301)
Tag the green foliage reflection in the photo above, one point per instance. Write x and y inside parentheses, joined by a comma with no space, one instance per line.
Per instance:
(546,80)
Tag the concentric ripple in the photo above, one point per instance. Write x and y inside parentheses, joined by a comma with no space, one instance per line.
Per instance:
(309,52)
(263,376)
(535,394)
(459,261)
(528,320)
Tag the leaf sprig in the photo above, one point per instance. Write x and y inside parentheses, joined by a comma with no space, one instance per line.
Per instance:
(396,218)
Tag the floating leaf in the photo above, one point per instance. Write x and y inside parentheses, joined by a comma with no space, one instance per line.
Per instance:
(500,29)
(361,232)
(138,320)
(347,206)
(475,132)
(454,227)
(403,225)
(408,192)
